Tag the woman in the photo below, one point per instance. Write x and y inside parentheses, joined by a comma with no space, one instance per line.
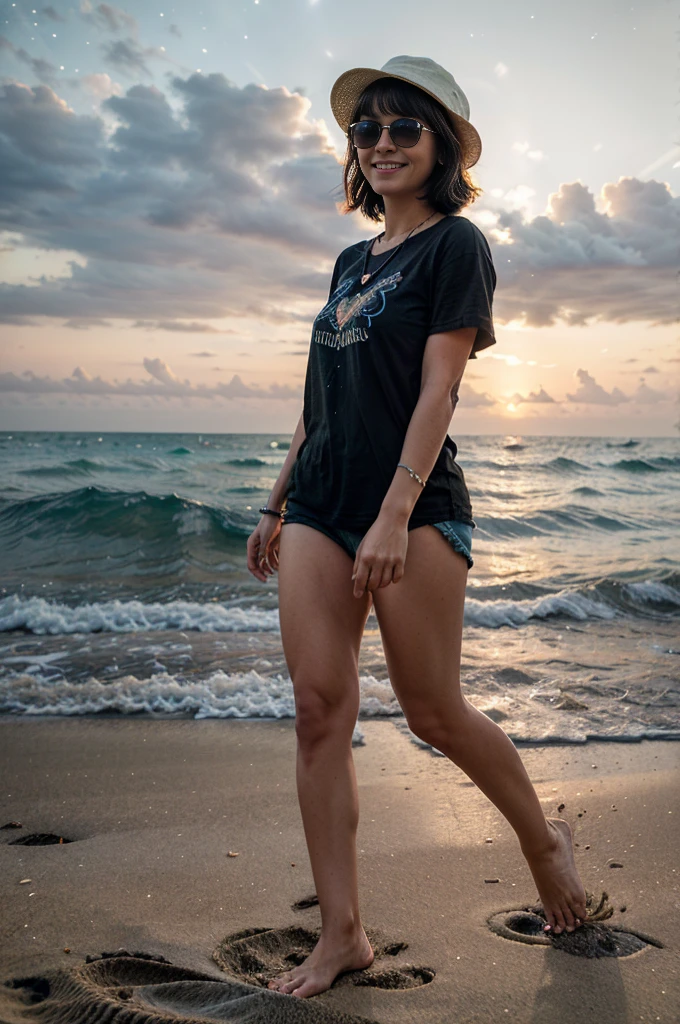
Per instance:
(374,505)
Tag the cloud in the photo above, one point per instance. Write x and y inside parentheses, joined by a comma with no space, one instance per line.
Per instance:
(576,265)
(43,70)
(128,56)
(589,392)
(163,384)
(195,327)
(533,398)
(470,399)
(53,15)
(650,396)
(108,17)
(206,201)
(177,213)
(99,85)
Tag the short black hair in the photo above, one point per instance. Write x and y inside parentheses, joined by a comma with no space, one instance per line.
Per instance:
(448,189)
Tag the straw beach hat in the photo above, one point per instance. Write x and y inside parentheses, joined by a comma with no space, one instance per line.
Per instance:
(422,72)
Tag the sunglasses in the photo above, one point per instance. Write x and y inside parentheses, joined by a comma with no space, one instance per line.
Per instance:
(404,132)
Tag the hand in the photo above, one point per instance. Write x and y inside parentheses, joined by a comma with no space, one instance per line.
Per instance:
(263,547)
(381,556)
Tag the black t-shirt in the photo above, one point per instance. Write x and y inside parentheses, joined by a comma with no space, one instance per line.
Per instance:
(365,366)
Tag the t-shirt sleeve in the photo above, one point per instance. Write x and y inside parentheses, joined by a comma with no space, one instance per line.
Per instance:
(463,284)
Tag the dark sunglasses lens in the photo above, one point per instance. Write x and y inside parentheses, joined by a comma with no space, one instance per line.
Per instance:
(405,132)
(365,134)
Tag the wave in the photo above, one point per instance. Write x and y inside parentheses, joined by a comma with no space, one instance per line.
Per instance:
(640,465)
(40,616)
(562,464)
(567,519)
(83,467)
(608,599)
(94,509)
(94,531)
(527,712)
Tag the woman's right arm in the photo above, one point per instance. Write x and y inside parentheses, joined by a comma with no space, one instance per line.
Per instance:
(279,489)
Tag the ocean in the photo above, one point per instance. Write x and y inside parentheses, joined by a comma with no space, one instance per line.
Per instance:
(124,588)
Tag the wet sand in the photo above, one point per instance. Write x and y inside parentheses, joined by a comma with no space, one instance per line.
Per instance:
(153,808)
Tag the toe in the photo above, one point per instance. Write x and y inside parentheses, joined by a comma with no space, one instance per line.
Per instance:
(303,990)
(568,918)
(292,984)
(558,926)
(279,982)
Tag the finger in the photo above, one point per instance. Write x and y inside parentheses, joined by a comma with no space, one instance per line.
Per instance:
(387,575)
(377,576)
(398,572)
(361,579)
(252,561)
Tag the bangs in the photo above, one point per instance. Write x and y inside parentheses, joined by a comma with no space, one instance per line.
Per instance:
(392,96)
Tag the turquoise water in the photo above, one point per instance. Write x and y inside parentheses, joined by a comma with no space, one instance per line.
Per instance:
(123,584)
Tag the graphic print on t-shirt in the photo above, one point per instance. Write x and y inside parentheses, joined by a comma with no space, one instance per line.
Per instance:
(346,305)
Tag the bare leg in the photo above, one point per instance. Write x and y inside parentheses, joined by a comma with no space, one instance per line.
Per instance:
(421,622)
(321,628)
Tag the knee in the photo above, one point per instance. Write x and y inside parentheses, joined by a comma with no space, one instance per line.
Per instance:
(443,728)
(320,716)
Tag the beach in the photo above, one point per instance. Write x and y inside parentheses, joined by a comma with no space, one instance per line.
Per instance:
(180,834)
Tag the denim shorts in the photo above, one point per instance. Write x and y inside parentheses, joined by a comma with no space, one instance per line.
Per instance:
(458,534)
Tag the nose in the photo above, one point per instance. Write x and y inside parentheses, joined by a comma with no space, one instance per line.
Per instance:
(385,128)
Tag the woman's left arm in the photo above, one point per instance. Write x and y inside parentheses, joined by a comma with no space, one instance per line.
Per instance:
(382,552)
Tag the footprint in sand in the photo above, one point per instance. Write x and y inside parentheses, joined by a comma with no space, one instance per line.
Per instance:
(257,955)
(593,939)
(40,839)
(120,987)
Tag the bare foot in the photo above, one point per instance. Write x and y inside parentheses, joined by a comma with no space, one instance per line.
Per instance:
(328,959)
(557,880)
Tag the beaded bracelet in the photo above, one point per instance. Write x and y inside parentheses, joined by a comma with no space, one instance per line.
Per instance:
(271,512)
(413,473)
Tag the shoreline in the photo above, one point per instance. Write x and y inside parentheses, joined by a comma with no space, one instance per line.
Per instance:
(146,716)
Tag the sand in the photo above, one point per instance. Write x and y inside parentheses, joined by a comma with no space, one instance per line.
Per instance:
(154,807)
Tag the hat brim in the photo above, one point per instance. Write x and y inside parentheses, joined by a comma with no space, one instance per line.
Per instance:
(348,87)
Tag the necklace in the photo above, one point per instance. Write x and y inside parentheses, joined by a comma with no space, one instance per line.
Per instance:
(365,277)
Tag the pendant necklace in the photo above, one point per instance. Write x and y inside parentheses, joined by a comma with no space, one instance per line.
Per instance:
(365,277)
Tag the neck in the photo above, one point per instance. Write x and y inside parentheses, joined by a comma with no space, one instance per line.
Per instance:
(402,214)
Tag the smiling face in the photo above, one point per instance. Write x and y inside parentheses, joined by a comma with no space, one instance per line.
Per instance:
(417,162)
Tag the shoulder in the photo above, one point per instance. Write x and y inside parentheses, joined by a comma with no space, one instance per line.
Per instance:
(460,235)
(352,252)
(348,257)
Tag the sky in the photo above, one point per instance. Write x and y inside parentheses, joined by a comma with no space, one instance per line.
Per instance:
(170,219)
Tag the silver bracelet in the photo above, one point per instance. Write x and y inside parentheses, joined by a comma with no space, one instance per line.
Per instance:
(413,473)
